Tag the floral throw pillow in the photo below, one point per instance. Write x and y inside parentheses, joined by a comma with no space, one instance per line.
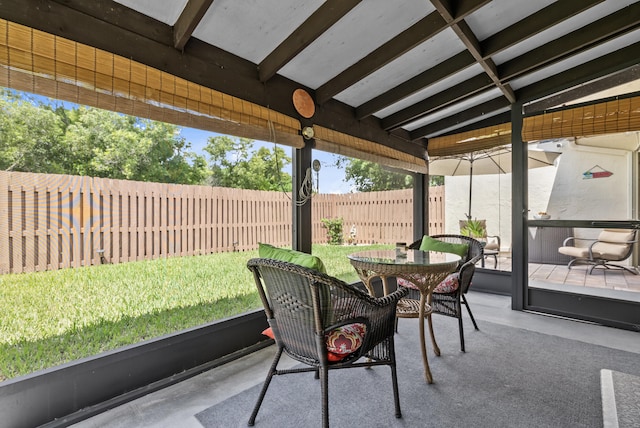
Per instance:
(340,341)
(345,340)
(448,285)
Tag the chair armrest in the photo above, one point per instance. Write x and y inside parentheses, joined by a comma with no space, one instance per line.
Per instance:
(393,297)
(573,238)
(465,274)
(497,238)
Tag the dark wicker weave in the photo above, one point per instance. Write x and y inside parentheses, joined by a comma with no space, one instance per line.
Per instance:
(302,305)
(450,304)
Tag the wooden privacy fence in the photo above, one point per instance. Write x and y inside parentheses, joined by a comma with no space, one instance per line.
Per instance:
(49,222)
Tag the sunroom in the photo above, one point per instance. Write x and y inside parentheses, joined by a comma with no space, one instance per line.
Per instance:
(399,86)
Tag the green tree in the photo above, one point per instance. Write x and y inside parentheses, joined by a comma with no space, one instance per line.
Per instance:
(235,163)
(44,137)
(436,180)
(108,144)
(30,136)
(372,177)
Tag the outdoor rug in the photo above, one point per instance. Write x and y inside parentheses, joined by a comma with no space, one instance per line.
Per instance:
(508,377)
(620,399)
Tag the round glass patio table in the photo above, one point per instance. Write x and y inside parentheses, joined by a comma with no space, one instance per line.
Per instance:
(424,269)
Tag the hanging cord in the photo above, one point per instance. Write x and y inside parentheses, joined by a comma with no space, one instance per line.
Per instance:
(306,189)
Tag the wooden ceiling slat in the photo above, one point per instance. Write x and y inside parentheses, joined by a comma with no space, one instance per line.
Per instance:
(533,24)
(427,27)
(613,24)
(312,28)
(188,20)
(463,116)
(603,29)
(616,79)
(419,32)
(427,78)
(437,101)
(465,34)
(588,71)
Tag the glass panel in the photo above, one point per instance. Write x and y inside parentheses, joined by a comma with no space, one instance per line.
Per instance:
(591,184)
(478,196)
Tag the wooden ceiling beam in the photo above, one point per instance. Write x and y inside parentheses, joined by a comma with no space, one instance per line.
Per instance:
(438,101)
(533,24)
(620,78)
(461,117)
(600,31)
(394,48)
(110,12)
(188,20)
(419,32)
(494,120)
(426,78)
(319,22)
(603,29)
(465,34)
(589,71)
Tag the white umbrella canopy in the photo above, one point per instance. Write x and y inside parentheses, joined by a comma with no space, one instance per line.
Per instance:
(484,162)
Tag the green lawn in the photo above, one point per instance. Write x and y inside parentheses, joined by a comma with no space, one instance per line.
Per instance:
(49,318)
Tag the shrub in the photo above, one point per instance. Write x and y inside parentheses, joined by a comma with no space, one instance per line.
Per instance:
(334,230)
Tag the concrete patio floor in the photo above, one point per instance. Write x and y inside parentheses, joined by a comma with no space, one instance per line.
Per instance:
(176,406)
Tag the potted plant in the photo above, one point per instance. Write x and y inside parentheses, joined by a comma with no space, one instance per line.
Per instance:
(473,228)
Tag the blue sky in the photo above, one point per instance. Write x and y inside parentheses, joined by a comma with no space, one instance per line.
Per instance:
(331,178)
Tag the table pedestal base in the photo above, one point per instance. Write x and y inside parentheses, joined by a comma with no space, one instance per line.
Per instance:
(413,308)
(424,270)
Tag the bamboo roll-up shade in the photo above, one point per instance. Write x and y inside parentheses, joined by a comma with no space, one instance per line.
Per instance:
(347,145)
(470,141)
(609,117)
(38,62)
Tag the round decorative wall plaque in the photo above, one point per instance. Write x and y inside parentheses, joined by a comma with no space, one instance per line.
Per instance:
(303,103)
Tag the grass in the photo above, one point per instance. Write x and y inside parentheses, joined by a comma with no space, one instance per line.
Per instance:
(49,318)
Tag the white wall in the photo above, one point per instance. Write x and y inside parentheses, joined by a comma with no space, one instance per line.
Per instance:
(559,190)
(608,198)
(491,200)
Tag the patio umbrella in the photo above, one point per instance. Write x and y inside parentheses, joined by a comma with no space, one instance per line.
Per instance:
(484,162)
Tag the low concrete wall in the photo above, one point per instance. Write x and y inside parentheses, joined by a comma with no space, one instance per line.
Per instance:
(66,394)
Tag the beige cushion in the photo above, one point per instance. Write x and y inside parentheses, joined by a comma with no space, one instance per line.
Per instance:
(606,250)
(610,251)
(492,244)
(577,252)
(616,235)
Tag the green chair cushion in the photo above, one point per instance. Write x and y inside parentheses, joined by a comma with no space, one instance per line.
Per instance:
(431,244)
(292,256)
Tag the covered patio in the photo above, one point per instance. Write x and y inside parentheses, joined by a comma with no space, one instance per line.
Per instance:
(365,79)
(191,403)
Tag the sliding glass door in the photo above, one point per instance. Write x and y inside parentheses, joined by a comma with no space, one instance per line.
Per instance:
(590,195)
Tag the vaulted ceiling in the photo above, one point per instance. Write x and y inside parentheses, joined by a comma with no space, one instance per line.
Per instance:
(393,73)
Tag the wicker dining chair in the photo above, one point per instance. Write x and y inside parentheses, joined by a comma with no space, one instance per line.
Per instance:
(324,323)
(449,296)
